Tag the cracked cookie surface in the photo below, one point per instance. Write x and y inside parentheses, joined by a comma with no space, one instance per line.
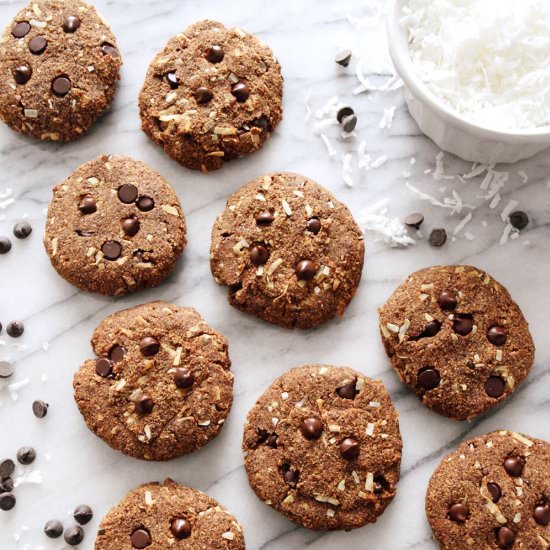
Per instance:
(492,492)
(213,94)
(114,226)
(456,337)
(161,385)
(289,252)
(169,515)
(322,446)
(59,65)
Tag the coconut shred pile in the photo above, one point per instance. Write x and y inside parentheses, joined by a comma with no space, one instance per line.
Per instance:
(487,59)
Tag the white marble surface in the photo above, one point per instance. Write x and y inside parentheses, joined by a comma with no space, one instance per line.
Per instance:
(79,468)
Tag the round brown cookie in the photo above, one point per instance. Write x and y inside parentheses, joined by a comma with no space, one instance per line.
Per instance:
(114,226)
(59,64)
(492,492)
(160,516)
(323,447)
(457,338)
(212,95)
(160,386)
(289,252)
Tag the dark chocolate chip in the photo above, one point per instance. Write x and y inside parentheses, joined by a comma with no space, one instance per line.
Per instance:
(463,324)
(347,391)
(291,477)
(21,29)
(117,353)
(127,193)
(494,386)
(519,219)
(344,112)
(53,529)
(431,329)
(416,219)
(514,466)
(40,408)
(181,529)
(349,123)
(109,49)
(74,535)
(447,300)
(542,514)
(203,95)
(149,346)
(306,270)
(381,484)
(103,367)
(6,485)
(5,245)
(260,122)
(7,501)
(495,491)
(71,23)
(459,512)
(83,514)
(140,538)
(428,378)
(111,250)
(343,58)
(265,218)
(87,205)
(215,54)
(438,237)
(130,226)
(22,74)
(172,80)
(145,203)
(313,225)
(61,86)
(349,448)
(38,45)
(311,428)
(505,537)
(144,404)
(26,455)
(22,230)
(15,329)
(240,91)
(183,378)
(7,467)
(6,369)
(497,335)
(259,254)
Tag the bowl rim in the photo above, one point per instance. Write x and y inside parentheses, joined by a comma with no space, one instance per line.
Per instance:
(399,52)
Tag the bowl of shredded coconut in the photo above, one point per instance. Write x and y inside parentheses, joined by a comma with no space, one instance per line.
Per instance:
(476,74)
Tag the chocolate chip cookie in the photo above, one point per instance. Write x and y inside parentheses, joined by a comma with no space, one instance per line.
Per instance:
(59,64)
(323,447)
(114,226)
(168,515)
(289,252)
(160,386)
(457,338)
(212,95)
(492,492)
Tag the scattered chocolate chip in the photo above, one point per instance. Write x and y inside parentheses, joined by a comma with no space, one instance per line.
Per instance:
(183,378)
(514,466)
(203,95)
(349,448)
(380,484)
(87,205)
(542,514)
(428,378)
(117,353)
(21,29)
(6,369)
(306,270)
(7,501)
(291,477)
(40,408)
(447,300)
(497,335)
(22,230)
(463,324)
(519,220)
(240,91)
(53,529)
(127,193)
(416,219)
(349,123)
(74,535)
(38,45)
(140,538)
(181,529)
(347,391)
(438,237)
(71,23)
(343,58)
(7,467)
(15,329)
(111,250)
(494,386)
(172,80)
(313,225)
(431,329)
(6,485)
(5,245)
(145,203)
(270,439)
(215,54)
(265,218)
(103,367)
(22,74)
(149,346)
(144,404)
(130,226)
(494,490)
(259,254)
(459,512)
(61,86)
(344,112)
(311,428)
(26,455)
(505,537)
(261,122)
(83,514)
(109,49)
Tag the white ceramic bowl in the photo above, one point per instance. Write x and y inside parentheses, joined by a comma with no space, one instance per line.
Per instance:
(449,131)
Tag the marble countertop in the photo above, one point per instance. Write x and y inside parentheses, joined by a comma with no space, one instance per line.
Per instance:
(75,466)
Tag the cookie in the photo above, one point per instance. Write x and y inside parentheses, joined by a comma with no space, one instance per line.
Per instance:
(59,65)
(289,252)
(212,95)
(160,386)
(168,515)
(114,226)
(322,446)
(492,492)
(456,337)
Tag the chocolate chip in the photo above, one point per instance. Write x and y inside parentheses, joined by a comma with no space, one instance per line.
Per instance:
(140,538)
(172,80)
(259,254)
(183,378)
(494,490)
(291,477)
(306,270)
(313,225)
(26,455)
(83,514)
(438,237)
(431,329)
(149,346)
(459,512)
(240,91)
(6,485)
(7,467)
(343,58)
(269,439)
(7,501)
(111,250)
(349,123)
(127,193)
(514,466)
(6,369)
(494,386)
(144,404)
(145,203)
(463,324)
(380,484)
(542,514)
(71,23)
(497,335)
(215,54)
(130,226)
(61,86)
(22,230)
(109,49)
(38,45)
(5,245)
(416,219)
(22,74)
(261,122)
(74,535)
(519,220)
(347,391)
(505,537)
(428,378)
(447,300)
(265,218)
(87,205)
(53,529)
(15,329)
(117,353)
(349,448)
(103,367)
(40,408)
(203,95)
(21,29)
(344,112)
(311,428)
(181,529)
